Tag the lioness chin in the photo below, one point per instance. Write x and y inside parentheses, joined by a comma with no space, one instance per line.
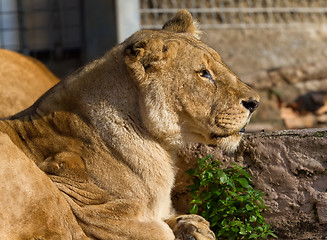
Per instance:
(93,158)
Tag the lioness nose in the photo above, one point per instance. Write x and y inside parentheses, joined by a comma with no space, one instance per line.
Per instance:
(251,104)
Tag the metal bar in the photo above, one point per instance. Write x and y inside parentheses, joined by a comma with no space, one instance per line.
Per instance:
(237,10)
(243,13)
(20,26)
(245,25)
(37,10)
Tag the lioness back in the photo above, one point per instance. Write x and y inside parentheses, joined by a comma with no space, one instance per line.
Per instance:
(23,80)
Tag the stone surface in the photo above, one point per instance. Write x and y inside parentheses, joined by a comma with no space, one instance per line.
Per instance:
(296,75)
(289,166)
(250,50)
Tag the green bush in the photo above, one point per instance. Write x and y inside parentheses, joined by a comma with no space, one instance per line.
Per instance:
(226,198)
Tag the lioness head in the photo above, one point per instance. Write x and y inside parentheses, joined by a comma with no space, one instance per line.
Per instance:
(187,93)
(167,84)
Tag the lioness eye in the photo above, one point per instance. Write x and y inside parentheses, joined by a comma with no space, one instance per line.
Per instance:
(206,74)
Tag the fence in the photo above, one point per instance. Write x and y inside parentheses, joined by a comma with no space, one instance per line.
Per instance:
(37,25)
(42,24)
(217,14)
(9,27)
(50,29)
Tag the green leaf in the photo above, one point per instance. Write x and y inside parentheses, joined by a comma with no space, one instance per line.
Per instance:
(253,218)
(194,209)
(236,223)
(272,234)
(235,229)
(243,231)
(244,182)
(197,201)
(260,228)
(224,222)
(249,228)
(248,207)
(253,235)
(223,178)
(245,174)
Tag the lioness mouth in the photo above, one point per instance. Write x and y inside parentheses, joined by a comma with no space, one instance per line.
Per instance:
(216,136)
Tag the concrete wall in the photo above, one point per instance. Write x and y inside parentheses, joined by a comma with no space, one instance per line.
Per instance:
(249,50)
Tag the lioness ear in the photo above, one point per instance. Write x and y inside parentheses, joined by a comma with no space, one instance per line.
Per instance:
(146,55)
(183,23)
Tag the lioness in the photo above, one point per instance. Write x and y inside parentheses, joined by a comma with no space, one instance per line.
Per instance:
(107,138)
(23,80)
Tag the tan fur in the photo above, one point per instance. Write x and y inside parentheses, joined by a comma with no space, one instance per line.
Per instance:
(107,137)
(23,80)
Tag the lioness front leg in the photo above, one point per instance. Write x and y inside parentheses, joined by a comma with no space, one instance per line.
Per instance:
(190,227)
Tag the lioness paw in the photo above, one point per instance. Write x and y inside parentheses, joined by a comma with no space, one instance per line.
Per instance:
(191,227)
